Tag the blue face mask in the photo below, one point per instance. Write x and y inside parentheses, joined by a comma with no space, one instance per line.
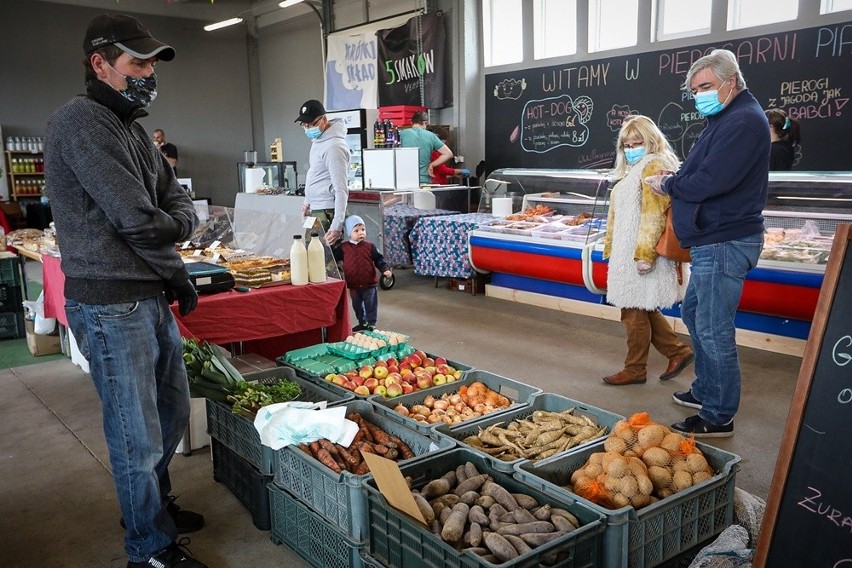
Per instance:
(313,132)
(633,155)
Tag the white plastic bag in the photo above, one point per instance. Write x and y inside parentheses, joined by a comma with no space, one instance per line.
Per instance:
(43,325)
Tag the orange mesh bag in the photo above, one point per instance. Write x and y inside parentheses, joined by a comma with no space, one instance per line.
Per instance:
(631,437)
(613,481)
(675,465)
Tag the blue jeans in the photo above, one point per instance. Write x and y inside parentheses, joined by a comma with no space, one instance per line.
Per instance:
(135,356)
(708,310)
(365,302)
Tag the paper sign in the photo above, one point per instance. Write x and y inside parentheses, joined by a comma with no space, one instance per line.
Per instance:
(309,222)
(392,485)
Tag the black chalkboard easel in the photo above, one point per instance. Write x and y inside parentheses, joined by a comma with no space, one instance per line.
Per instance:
(808,520)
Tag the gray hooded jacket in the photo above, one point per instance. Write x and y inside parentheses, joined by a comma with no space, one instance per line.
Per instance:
(326,184)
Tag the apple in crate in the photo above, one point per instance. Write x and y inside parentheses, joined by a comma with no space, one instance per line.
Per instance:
(350,385)
(392,361)
(339,380)
(405,366)
(407,388)
(380,364)
(366,371)
(393,369)
(440,361)
(424,382)
(414,360)
(358,381)
(362,390)
(381,390)
(394,390)
(380,372)
(396,377)
(330,377)
(351,374)
(439,379)
(428,362)
(371,383)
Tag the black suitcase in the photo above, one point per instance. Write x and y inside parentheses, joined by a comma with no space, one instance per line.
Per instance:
(209,278)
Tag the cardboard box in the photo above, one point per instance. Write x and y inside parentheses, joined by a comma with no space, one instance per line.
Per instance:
(42,344)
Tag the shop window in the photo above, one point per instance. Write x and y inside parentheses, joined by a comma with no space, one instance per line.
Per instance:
(502,30)
(831,6)
(751,13)
(613,24)
(677,19)
(554,28)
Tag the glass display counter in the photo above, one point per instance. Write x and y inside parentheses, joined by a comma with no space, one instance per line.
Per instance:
(544,250)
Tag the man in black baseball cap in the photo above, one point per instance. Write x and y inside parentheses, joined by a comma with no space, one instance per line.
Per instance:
(127,33)
(310,111)
(120,211)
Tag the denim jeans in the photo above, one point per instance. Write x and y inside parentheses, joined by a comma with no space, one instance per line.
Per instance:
(365,302)
(708,310)
(135,356)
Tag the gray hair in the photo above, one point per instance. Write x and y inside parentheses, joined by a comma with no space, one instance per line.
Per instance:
(722,63)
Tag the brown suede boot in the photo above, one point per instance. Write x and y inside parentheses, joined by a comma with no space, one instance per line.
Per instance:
(626,377)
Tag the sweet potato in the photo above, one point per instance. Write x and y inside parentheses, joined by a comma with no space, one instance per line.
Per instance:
(470,470)
(518,543)
(445,514)
(500,547)
(524,528)
(471,484)
(477,515)
(566,514)
(475,534)
(486,502)
(454,525)
(538,539)
(542,513)
(525,501)
(450,476)
(562,524)
(500,495)
(424,507)
(460,474)
(435,488)
(449,500)
(521,515)
(469,498)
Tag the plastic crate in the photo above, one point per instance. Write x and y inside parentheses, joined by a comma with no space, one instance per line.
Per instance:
(337,388)
(11,297)
(544,401)
(306,353)
(12,325)
(245,482)
(661,531)
(517,392)
(399,541)
(9,272)
(238,432)
(339,497)
(314,539)
(400,115)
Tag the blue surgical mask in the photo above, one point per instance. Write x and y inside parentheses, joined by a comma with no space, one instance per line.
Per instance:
(313,132)
(633,155)
(707,103)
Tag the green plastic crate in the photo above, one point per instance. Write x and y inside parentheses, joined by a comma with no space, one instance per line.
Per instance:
(310,352)
(543,401)
(9,271)
(517,392)
(313,538)
(400,542)
(339,497)
(238,433)
(245,482)
(650,536)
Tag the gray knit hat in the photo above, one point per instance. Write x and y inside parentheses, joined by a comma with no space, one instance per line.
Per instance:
(350,223)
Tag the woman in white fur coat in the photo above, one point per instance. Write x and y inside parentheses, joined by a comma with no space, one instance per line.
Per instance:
(638,280)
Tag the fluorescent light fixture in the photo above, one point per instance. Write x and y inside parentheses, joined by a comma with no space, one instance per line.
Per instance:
(222,24)
(288,3)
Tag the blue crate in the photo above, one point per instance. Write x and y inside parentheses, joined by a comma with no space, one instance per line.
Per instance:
(313,538)
(517,392)
(339,497)
(238,433)
(400,542)
(661,531)
(245,482)
(544,401)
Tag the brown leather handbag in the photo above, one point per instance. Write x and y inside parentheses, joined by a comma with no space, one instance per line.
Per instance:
(668,245)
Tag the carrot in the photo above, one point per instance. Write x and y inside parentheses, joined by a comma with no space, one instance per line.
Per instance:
(379,435)
(332,450)
(366,447)
(305,449)
(362,469)
(380,449)
(403,448)
(325,459)
(348,457)
(314,447)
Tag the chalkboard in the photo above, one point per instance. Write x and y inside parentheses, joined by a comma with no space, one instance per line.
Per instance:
(568,116)
(808,519)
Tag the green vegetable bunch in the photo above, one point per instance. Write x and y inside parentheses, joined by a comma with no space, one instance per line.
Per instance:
(248,398)
(210,373)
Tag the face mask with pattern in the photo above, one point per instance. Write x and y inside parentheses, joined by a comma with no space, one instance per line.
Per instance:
(141,91)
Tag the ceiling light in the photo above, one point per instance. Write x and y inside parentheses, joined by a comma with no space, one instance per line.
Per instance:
(222,24)
(288,3)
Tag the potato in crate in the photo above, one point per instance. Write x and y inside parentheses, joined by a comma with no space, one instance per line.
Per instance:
(644,536)
(478,516)
(329,482)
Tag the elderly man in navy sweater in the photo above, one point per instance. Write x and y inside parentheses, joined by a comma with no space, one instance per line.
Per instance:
(717,199)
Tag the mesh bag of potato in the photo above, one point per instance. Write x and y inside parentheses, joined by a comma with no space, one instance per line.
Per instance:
(643,461)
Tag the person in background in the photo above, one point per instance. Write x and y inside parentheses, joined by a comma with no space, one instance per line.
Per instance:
(326,186)
(360,259)
(426,142)
(718,197)
(167,149)
(119,211)
(442,172)
(638,280)
(785,136)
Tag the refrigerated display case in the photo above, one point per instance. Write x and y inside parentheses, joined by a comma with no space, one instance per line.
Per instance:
(268,175)
(359,135)
(549,258)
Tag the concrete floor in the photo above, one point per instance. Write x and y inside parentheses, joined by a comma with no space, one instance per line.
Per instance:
(57,505)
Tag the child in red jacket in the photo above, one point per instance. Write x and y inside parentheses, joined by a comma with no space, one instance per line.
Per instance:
(442,172)
(360,259)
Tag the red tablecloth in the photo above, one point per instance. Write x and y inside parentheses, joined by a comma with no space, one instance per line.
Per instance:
(269,321)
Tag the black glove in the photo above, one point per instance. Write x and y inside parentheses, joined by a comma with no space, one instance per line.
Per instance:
(162,229)
(185,294)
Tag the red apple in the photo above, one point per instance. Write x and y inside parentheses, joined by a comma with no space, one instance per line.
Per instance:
(329,377)
(443,368)
(349,385)
(339,380)
(394,390)
(409,377)
(358,380)
(428,362)
(380,372)
(380,364)
(415,360)
(407,388)
(396,377)
(382,390)
(440,361)
(393,368)
(423,382)
(420,354)
(431,369)
(405,365)
(391,361)
(362,390)
(371,383)
(439,379)
(366,371)
(351,374)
